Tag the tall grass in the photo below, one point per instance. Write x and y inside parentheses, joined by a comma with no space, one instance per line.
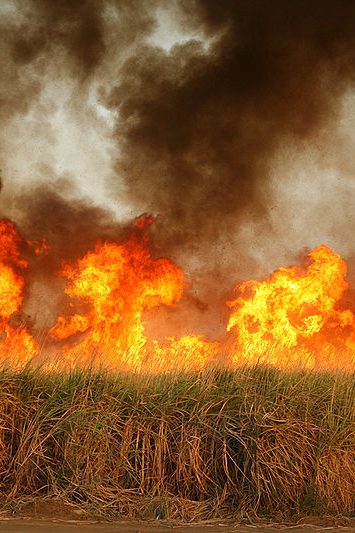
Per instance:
(211,444)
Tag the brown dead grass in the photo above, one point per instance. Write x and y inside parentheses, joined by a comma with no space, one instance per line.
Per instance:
(185,447)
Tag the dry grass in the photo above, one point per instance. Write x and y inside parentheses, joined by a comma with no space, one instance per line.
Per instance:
(188,446)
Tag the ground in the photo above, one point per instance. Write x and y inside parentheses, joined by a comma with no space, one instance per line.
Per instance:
(44,525)
(56,516)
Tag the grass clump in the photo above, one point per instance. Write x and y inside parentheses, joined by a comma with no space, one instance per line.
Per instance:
(202,445)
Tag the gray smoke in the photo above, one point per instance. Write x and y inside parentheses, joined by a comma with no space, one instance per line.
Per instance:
(195,133)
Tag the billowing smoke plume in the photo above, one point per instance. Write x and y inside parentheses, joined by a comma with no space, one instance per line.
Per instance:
(189,126)
(35,32)
(199,128)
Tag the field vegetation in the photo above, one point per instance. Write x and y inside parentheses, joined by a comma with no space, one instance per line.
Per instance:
(219,443)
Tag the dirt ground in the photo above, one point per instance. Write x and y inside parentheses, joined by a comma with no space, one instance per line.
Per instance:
(31,525)
(56,516)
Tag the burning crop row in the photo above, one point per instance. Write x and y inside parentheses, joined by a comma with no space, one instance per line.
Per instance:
(295,318)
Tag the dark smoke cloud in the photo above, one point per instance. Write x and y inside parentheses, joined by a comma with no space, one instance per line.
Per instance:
(34,33)
(198,129)
(74,25)
(75,34)
(69,229)
(46,46)
(37,36)
(200,124)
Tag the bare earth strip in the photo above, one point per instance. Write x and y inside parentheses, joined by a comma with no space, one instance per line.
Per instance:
(23,525)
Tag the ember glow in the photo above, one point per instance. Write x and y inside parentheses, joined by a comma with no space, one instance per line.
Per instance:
(295,318)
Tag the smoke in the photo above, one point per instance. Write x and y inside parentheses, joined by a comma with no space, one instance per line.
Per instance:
(55,57)
(68,228)
(200,127)
(34,34)
(74,25)
(106,114)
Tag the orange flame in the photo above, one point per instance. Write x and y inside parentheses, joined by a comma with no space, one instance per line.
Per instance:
(294,317)
(118,283)
(16,343)
(189,353)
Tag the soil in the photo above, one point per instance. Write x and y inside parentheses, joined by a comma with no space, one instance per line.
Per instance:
(53,516)
(30,525)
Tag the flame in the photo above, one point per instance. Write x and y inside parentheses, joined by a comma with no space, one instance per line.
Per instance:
(297,317)
(189,353)
(294,316)
(118,282)
(15,342)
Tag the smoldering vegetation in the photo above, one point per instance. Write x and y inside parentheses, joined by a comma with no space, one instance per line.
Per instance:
(216,444)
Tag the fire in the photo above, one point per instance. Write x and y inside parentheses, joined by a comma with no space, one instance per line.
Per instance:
(297,317)
(16,344)
(189,353)
(294,317)
(118,282)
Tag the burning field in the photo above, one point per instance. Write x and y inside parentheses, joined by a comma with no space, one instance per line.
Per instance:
(259,422)
(297,318)
(177,265)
